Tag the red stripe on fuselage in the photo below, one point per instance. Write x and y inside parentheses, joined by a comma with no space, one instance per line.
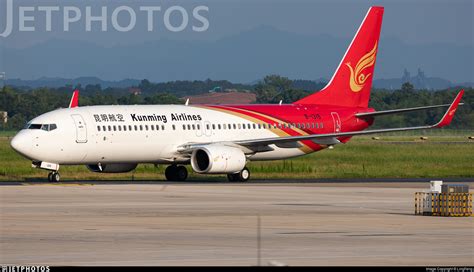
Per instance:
(268,119)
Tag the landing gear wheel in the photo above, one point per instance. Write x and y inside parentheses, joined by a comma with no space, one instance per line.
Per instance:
(176,173)
(241,176)
(181,173)
(244,175)
(231,177)
(54,177)
(170,172)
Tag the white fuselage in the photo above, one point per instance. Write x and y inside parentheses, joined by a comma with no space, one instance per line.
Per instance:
(136,134)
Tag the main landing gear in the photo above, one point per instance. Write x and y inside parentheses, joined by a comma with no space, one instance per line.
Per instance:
(54,176)
(241,176)
(176,173)
(180,173)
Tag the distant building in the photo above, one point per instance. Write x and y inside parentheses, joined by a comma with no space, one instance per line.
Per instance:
(4,116)
(135,91)
(223,98)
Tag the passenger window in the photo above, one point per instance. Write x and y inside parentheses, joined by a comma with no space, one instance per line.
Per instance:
(98,128)
(173,126)
(198,127)
(219,126)
(189,127)
(321,125)
(223,126)
(213,126)
(162,127)
(115,128)
(103,128)
(152,127)
(234,126)
(146,127)
(194,127)
(119,128)
(109,128)
(184,127)
(135,127)
(207,126)
(124,128)
(130,127)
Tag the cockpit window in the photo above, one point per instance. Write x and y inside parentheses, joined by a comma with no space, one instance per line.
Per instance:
(34,126)
(45,127)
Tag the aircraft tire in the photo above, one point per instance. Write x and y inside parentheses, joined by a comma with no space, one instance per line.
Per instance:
(55,176)
(181,173)
(170,172)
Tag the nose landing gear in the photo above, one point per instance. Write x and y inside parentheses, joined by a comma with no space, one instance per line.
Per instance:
(54,176)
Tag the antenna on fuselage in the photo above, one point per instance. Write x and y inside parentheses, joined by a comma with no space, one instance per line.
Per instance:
(281,101)
(187,102)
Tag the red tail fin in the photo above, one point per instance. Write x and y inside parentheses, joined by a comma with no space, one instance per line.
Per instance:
(351,83)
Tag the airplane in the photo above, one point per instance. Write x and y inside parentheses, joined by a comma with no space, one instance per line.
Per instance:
(216,139)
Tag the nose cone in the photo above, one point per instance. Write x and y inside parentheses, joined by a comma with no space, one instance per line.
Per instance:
(22,144)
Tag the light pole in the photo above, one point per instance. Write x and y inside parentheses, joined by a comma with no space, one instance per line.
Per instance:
(3,77)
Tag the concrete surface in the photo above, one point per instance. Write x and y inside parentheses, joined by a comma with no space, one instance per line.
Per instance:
(216,224)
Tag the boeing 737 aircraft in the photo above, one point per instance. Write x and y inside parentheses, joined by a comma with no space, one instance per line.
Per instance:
(216,139)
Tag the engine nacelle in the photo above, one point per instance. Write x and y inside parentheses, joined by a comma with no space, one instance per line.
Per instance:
(218,159)
(112,168)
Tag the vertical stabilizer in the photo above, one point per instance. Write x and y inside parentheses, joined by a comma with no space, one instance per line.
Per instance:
(351,83)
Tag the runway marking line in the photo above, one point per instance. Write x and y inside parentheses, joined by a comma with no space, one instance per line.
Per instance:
(60,184)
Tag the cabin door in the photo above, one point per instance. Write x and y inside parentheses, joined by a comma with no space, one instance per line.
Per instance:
(81,128)
(337,122)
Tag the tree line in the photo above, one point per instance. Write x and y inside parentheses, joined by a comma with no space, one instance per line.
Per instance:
(22,105)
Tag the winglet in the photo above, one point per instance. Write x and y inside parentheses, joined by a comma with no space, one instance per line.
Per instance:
(448,116)
(74,99)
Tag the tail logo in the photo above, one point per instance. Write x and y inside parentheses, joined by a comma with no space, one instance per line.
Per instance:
(357,79)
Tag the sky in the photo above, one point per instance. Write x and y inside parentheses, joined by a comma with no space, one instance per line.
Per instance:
(417,22)
(420,22)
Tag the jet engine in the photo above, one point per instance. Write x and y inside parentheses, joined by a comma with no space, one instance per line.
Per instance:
(112,168)
(218,159)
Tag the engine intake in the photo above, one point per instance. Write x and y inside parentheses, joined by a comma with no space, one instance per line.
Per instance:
(112,168)
(215,159)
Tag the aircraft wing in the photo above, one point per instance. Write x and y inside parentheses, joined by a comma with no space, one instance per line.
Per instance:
(378,113)
(260,145)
